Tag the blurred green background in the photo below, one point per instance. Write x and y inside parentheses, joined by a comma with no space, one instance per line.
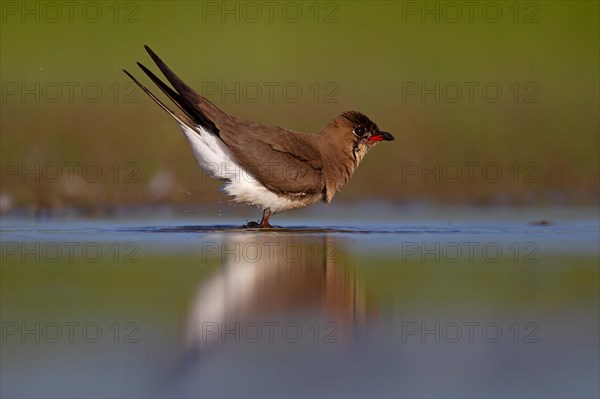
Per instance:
(67,107)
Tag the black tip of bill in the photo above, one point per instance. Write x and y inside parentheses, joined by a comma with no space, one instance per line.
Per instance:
(386,136)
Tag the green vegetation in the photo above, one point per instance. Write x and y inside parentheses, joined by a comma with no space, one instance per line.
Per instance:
(66,101)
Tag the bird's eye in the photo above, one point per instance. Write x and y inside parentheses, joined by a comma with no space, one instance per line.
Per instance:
(359,131)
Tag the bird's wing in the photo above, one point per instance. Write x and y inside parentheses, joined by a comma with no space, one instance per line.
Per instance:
(285,162)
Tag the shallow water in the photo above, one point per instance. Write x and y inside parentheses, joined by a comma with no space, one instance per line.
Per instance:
(451,303)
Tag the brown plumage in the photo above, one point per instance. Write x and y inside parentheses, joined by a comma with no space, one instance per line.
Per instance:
(285,169)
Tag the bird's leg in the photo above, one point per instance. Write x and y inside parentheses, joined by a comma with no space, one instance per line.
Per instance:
(265,218)
(264,222)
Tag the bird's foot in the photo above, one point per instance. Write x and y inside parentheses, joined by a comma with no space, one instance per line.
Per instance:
(259,225)
(264,222)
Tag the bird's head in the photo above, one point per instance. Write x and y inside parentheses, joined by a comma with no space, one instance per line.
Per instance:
(357,129)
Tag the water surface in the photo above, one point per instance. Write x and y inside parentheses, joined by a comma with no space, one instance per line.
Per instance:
(443,304)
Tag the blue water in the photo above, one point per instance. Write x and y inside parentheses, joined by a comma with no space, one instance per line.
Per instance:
(390,303)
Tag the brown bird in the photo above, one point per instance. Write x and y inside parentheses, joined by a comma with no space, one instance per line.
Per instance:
(270,167)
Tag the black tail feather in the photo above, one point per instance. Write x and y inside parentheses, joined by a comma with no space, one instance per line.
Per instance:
(156,100)
(192,112)
(183,96)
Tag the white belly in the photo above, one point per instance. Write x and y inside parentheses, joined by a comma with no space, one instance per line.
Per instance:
(218,162)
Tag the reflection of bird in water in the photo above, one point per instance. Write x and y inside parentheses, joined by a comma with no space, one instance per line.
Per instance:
(277,278)
(265,279)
